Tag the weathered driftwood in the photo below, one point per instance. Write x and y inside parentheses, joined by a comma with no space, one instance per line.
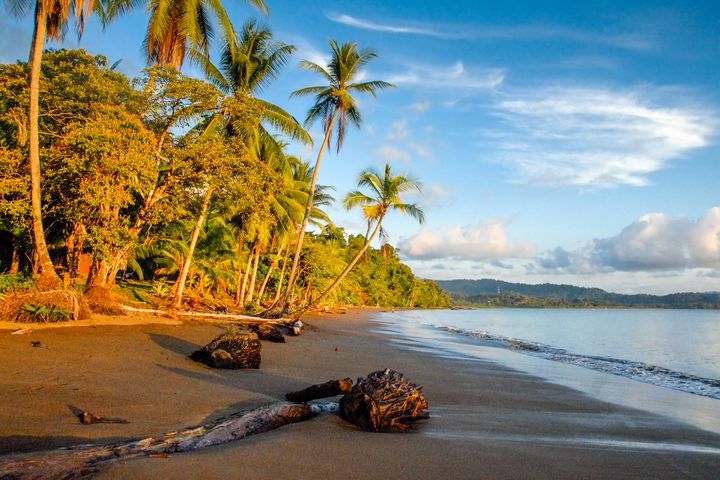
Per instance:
(86,460)
(230,317)
(384,401)
(231,350)
(269,332)
(330,388)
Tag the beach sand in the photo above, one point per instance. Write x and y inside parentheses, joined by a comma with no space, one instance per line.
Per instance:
(487,421)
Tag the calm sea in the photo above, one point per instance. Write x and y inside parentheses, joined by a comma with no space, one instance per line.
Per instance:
(672,350)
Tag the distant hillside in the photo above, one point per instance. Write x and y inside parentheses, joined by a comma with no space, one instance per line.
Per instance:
(489,292)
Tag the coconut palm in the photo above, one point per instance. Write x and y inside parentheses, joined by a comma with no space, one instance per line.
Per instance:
(333,104)
(248,64)
(385,190)
(51,19)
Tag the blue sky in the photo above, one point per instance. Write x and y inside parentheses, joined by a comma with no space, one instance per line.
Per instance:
(564,142)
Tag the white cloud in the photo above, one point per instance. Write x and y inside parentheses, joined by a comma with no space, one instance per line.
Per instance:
(596,137)
(420,150)
(419,107)
(626,40)
(475,242)
(398,130)
(391,153)
(653,242)
(455,77)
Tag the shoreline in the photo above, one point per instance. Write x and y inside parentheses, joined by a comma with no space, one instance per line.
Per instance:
(486,421)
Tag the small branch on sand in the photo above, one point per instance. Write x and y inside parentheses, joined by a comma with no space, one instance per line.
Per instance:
(86,460)
(323,390)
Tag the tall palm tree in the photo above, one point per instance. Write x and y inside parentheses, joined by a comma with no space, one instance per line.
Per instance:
(333,103)
(248,64)
(51,19)
(385,190)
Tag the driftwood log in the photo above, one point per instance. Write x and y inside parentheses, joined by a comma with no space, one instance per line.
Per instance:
(232,350)
(86,460)
(330,388)
(384,401)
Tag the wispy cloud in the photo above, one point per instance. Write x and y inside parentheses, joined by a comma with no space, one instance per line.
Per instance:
(398,130)
(419,107)
(391,153)
(625,40)
(488,240)
(652,243)
(597,137)
(456,77)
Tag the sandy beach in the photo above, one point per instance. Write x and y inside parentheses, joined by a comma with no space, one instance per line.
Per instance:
(487,421)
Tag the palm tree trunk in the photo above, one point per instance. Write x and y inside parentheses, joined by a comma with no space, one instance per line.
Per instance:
(246,277)
(15,260)
(272,267)
(344,273)
(239,269)
(48,279)
(278,291)
(177,298)
(251,289)
(308,209)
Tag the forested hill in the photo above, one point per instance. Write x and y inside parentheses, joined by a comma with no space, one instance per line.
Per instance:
(489,292)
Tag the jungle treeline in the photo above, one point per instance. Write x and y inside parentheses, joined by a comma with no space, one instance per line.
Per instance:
(185,184)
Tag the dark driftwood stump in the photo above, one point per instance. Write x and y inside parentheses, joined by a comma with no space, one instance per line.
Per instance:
(384,401)
(322,390)
(266,331)
(231,350)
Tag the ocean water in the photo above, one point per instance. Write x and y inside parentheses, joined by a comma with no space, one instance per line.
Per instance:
(666,361)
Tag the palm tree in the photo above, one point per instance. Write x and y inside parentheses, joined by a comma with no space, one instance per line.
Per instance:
(248,64)
(333,102)
(385,190)
(51,19)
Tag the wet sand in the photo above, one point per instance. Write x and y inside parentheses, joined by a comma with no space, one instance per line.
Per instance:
(487,421)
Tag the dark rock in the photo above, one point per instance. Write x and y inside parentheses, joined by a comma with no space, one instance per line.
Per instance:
(231,350)
(269,332)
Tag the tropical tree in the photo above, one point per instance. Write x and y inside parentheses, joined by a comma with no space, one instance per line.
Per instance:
(333,103)
(384,196)
(51,19)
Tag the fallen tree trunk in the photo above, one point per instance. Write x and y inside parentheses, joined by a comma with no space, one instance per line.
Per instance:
(323,390)
(86,460)
(228,316)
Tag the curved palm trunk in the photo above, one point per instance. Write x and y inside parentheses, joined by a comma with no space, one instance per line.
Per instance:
(246,276)
(49,279)
(278,291)
(344,273)
(272,267)
(251,289)
(177,298)
(239,269)
(308,208)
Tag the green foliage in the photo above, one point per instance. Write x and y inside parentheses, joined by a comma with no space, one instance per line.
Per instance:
(46,313)
(160,288)
(19,281)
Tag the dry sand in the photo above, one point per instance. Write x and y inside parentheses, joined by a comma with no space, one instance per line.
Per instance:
(486,422)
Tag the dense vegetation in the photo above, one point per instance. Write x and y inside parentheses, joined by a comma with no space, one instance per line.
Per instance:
(177,182)
(496,293)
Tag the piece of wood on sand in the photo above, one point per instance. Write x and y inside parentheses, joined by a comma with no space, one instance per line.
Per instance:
(384,401)
(87,460)
(330,388)
(232,350)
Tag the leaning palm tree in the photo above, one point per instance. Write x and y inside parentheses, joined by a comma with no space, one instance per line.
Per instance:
(385,190)
(333,103)
(51,19)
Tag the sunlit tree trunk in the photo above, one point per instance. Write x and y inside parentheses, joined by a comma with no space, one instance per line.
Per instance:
(272,267)
(308,209)
(246,277)
(239,269)
(251,289)
(177,298)
(278,291)
(15,259)
(48,278)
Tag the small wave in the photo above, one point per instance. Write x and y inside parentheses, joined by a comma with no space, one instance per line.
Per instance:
(639,371)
